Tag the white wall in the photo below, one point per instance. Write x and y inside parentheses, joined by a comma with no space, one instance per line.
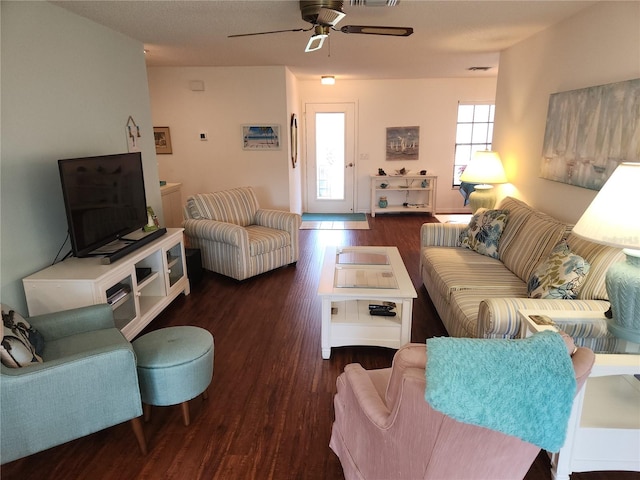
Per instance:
(295,175)
(600,45)
(68,87)
(233,96)
(431,104)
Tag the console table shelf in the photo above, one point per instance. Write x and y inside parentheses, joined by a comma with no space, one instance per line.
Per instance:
(418,192)
(79,282)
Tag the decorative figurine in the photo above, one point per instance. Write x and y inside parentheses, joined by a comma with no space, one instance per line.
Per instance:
(381,172)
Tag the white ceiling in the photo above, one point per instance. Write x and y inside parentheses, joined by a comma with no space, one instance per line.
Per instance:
(449,36)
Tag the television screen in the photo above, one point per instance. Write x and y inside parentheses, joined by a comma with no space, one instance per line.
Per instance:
(104,199)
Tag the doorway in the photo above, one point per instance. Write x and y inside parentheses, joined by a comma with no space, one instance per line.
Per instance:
(330,132)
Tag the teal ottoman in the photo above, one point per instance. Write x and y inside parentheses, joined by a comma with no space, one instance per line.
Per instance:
(175,365)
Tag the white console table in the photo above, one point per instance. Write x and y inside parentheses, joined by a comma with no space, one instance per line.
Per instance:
(145,281)
(418,192)
(604,427)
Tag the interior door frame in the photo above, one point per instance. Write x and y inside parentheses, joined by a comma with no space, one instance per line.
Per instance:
(349,107)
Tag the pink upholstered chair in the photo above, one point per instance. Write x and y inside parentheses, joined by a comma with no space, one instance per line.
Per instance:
(385,429)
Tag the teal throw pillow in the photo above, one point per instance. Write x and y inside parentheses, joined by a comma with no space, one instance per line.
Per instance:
(560,275)
(483,233)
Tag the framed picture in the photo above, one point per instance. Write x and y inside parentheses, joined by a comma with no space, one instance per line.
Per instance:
(294,140)
(589,132)
(403,143)
(261,137)
(162,137)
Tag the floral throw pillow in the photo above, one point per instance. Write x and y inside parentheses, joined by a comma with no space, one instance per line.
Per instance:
(21,343)
(560,275)
(484,230)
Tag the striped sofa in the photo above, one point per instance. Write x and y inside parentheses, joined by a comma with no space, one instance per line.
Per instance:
(236,237)
(479,296)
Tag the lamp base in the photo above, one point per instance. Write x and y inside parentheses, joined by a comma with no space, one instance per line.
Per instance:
(482,197)
(623,287)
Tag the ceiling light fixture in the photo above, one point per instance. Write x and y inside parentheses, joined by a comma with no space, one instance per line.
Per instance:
(315,43)
(328,80)
(317,40)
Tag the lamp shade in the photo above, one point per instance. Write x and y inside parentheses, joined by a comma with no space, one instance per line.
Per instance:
(485,167)
(613,217)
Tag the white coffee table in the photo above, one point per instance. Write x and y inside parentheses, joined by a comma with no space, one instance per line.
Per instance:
(351,279)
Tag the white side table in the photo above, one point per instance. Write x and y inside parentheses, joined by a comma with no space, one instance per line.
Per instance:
(604,427)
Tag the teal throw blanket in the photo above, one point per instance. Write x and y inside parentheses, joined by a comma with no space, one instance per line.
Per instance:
(524,388)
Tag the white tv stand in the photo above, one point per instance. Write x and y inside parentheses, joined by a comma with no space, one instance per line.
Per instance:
(78,282)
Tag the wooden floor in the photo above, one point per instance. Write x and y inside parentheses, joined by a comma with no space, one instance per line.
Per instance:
(269,411)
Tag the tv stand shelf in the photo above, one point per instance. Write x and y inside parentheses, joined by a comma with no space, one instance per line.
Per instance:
(78,282)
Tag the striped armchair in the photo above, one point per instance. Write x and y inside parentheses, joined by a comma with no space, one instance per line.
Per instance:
(236,237)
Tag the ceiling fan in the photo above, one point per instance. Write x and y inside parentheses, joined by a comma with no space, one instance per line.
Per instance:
(324,15)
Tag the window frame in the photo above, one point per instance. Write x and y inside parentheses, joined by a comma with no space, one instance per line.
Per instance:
(478,137)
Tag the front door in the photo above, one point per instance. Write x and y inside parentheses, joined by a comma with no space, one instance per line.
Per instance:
(330,130)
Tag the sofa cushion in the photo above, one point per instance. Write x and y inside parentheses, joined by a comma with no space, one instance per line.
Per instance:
(529,240)
(600,257)
(456,269)
(21,343)
(560,275)
(237,205)
(484,231)
(266,240)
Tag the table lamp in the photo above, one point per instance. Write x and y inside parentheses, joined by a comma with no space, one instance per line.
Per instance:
(485,168)
(611,219)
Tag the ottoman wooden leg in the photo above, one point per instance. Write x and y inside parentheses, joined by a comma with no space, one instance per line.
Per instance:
(185,413)
(136,424)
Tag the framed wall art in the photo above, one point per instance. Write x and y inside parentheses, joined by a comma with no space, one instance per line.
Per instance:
(294,140)
(403,143)
(261,137)
(589,132)
(162,138)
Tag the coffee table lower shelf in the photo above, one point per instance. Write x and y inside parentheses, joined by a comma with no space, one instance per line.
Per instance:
(348,322)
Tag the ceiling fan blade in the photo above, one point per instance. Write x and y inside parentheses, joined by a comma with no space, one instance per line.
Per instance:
(371,30)
(267,33)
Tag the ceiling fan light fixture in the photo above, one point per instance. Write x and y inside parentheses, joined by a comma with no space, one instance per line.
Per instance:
(315,42)
(329,17)
(328,80)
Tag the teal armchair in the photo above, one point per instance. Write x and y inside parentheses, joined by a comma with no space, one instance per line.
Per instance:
(87,382)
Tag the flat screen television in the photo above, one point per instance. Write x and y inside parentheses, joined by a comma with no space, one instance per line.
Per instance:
(104,198)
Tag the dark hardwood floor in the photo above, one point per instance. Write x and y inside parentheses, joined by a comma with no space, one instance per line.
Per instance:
(270,410)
